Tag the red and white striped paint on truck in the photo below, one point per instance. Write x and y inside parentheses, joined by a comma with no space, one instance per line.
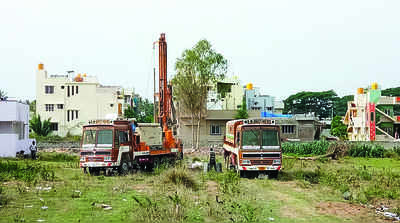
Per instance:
(253,145)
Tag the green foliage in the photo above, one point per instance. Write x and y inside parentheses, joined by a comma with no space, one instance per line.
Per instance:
(242,112)
(341,105)
(392,92)
(322,103)
(223,89)
(32,106)
(338,129)
(365,150)
(55,138)
(306,148)
(41,128)
(143,111)
(3,94)
(27,171)
(58,157)
(180,176)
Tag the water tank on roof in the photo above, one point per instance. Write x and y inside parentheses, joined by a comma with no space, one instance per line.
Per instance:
(249,86)
(374,86)
(360,90)
(40,66)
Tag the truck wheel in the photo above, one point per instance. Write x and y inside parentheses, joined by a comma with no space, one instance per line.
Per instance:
(124,168)
(243,173)
(94,171)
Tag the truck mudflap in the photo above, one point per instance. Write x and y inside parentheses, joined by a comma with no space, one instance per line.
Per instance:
(259,168)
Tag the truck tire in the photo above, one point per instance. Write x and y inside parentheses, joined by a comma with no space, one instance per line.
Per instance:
(124,168)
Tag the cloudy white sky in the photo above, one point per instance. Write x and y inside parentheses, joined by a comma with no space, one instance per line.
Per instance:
(281,46)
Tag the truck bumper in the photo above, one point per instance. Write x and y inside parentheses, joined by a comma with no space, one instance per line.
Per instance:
(260,168)
(98,164)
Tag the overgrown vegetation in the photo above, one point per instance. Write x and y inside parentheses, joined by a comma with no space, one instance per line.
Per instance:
(350,149)
(27,171)
(338,129)
(143,111)
(39,127)
(55,138)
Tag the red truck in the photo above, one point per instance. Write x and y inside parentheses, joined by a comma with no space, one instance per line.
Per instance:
(253,146)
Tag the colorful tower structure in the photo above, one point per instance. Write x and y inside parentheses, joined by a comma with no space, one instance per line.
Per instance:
(361,114)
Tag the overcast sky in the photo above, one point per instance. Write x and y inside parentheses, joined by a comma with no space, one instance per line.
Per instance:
(280,46)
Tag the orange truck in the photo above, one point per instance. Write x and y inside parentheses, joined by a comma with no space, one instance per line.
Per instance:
(253,146)
(123,144)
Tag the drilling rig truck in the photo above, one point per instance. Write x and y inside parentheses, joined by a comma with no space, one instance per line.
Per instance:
(121,145)
(253,146)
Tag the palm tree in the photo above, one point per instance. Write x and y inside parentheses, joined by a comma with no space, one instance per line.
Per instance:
(40,128)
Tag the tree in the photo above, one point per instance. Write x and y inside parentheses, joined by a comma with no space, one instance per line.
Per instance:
(197,69)
(338,129)
(392,92)
(32,106)
(341,105)
(242,112)
(142,112)
(38,127)
(3,94)
(322,103)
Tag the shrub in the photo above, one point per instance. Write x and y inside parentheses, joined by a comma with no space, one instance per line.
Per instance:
(27,171)
(306,148)
(364,150)
(180,177)
(58,157)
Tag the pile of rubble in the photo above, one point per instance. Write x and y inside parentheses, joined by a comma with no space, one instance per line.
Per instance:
(384,211)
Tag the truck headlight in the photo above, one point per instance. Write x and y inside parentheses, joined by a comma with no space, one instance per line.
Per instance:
(277,162)
(246,162)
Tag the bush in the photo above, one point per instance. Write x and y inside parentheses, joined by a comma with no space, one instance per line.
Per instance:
(180,177)
(58,157)
(364,150)
(55,138)
(27,171)
(307,148)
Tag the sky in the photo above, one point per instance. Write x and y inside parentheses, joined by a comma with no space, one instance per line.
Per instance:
(282,47)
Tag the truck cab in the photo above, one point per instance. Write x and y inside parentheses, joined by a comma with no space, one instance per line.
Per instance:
(253,146)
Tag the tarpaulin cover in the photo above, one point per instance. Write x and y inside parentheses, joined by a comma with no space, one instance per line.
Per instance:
(272,115)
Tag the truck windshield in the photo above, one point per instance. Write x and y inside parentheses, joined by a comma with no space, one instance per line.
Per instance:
(270,138)
(89,137)
(105,137)
(251,138)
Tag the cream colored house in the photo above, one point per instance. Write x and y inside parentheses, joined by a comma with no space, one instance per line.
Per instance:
(72,100)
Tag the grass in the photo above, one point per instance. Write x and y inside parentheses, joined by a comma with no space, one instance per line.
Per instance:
(178,194)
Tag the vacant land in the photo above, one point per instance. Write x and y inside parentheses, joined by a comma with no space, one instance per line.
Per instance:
(54,189)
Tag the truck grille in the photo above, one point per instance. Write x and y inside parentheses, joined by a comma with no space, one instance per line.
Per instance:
(261,162)
(101,153)
(261,155)
(95,159)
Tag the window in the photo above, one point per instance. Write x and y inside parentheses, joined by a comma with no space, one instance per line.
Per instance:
(60,106)
(251,138)
(68,91)
(72,89)
(76,88)
(270,138)
(72,114)
(215,130)
(68,116)
(49,107)
(387,111)
(123,137)
(288,129)
(62,87)
(89,137)
(54,126)
(76,114)
(49,89)
(111,105)
(105,137)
